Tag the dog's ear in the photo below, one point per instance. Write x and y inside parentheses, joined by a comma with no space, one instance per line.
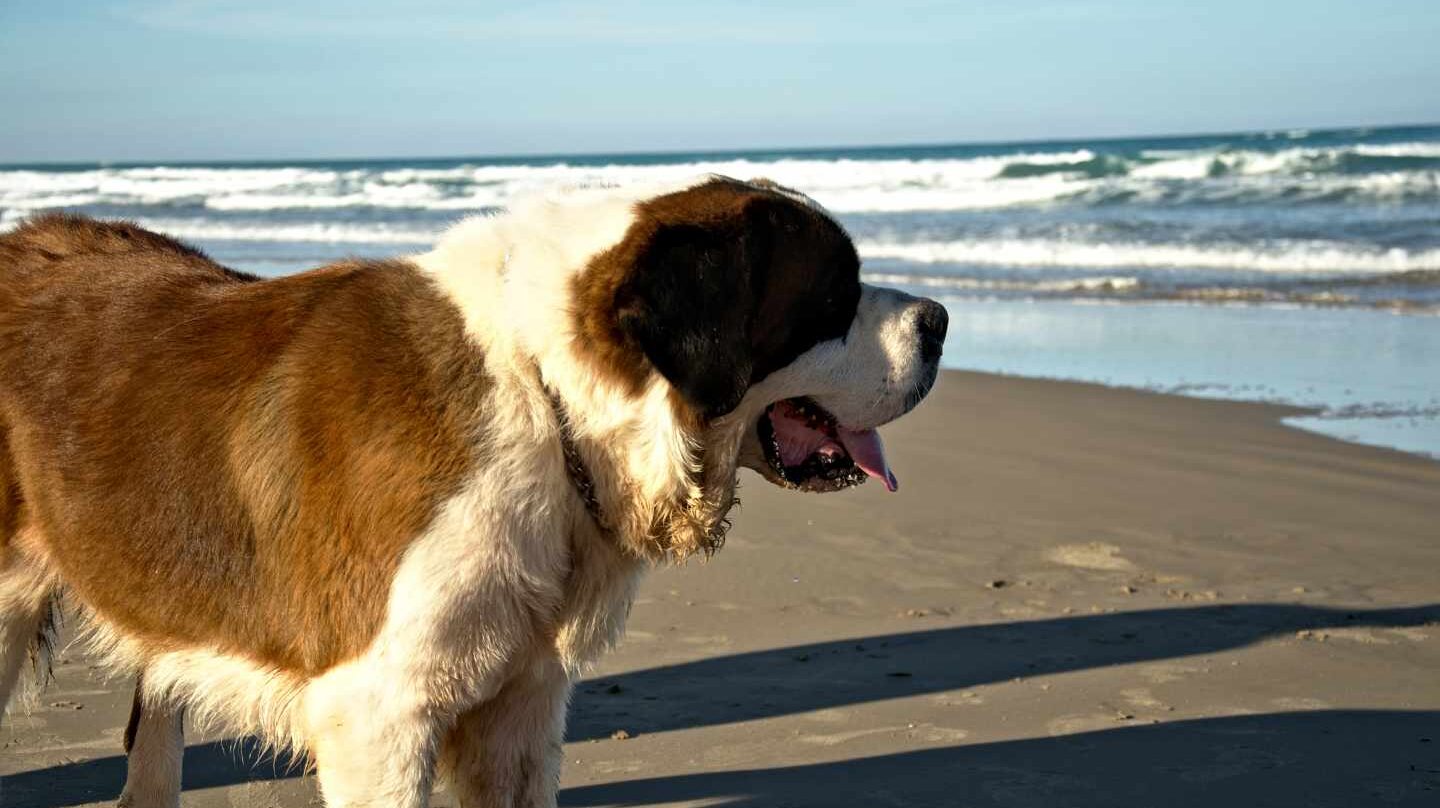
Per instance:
(689,304)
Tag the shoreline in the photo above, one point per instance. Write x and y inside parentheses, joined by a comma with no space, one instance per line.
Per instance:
(1286,412)
(1080,595)
(1354,371)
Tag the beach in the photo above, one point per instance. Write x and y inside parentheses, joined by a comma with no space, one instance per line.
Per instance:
(1079,596)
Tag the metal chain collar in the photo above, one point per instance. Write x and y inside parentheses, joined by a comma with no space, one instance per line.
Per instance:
(575,468)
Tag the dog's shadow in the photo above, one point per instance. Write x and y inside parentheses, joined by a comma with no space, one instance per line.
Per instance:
(206,765)
(1166,762)
(743,687)
(1331,759)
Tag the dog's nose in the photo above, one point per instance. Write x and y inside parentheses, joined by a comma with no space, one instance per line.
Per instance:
(932,322)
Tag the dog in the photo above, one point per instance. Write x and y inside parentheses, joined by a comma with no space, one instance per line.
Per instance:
(383,513)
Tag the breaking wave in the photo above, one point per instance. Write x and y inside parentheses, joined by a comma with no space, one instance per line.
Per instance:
(300,233)
(1401,172)
(1310,257)
(1309,217)
(1305,257)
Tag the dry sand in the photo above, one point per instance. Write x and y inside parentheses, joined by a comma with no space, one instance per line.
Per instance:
(1079,597)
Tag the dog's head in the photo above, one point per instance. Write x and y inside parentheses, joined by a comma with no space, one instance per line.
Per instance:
(746,298)
(702,327)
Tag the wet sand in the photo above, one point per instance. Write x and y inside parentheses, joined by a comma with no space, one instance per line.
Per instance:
(1080,596)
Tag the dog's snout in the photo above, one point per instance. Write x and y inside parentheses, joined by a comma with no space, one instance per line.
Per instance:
(932,322)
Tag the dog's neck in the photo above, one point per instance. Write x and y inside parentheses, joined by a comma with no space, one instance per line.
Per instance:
(646,477)
(575,469)
(656,525)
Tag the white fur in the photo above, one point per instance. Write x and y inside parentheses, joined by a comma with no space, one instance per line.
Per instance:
(220,691)
(510,275)
(864,380)
(153,775)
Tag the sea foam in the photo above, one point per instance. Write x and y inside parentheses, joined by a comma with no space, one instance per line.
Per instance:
(1379,172)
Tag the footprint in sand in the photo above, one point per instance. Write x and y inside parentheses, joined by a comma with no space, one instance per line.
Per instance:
(1411,634)
(965,698)
(831,716)
(622,767)
(1300,704)
(923,732)
(934,734)
(1142,699)
(713,640)
(1164,672)
(835,739)
(1092,556)
(844,605)
(1073,724)
(1370,636)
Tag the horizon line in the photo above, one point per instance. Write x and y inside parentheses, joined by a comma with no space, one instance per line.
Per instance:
(706,152)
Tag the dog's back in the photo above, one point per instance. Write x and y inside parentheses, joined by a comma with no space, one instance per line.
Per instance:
(55,238)
(64,264)
(170,425)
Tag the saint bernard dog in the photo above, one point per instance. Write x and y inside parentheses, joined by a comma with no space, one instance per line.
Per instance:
(384,513)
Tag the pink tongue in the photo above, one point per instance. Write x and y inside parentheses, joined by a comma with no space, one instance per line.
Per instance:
(869,454)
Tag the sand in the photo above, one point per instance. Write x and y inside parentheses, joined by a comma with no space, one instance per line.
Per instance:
(1080,596)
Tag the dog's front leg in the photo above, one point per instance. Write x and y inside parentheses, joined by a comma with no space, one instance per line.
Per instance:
(372,747)
(507,750)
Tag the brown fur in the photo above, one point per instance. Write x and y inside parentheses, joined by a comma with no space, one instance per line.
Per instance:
(52,237)
(10,502)
(800,250)
(175,427)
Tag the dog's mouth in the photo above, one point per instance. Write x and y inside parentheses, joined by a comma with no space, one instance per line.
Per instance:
(806,448)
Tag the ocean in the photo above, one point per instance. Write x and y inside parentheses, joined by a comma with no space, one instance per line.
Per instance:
(1296,266)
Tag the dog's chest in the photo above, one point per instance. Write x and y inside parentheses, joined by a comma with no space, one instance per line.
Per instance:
(599,591)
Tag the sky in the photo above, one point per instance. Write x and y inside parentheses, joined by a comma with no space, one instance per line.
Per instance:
(83,80)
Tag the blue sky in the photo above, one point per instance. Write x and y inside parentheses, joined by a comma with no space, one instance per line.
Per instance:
(219,79)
